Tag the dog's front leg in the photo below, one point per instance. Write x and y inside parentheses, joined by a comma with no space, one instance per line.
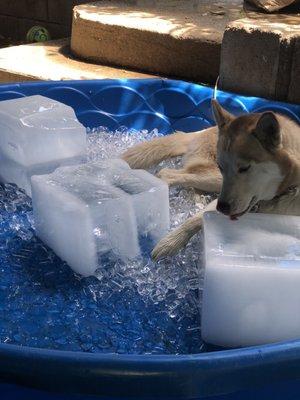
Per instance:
(177,239)
(209,181)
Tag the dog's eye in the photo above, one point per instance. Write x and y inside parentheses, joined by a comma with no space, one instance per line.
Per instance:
(244,169)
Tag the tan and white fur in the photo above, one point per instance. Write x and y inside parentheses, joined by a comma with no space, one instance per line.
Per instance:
(251,161)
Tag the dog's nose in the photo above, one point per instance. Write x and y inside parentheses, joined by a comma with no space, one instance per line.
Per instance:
(223,207)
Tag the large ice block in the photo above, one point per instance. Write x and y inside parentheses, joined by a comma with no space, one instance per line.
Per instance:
(252,279)
(83,212)
(38,134)
(150,195)
(82,219)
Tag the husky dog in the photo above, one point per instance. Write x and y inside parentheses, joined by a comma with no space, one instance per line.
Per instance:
(252,161)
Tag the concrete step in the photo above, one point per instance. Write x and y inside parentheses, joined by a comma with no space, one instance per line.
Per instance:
(261,57)
(174,38)
(53,61)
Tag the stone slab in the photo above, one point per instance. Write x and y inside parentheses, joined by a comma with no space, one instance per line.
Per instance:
(52,61)
(174,38)
(257,56)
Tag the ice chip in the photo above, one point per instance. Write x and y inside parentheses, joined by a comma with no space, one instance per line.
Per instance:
(252,279)
(38,134)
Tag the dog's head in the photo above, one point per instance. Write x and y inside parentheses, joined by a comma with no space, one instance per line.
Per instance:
(247,154)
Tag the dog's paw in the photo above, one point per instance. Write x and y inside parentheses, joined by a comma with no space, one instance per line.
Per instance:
(167,175)
(170,244)
(293,191)
(162,250)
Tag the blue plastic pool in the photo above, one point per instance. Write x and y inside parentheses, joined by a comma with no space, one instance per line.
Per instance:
(263,372)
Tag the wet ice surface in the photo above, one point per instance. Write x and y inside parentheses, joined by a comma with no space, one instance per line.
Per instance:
(139,307)
(38,135)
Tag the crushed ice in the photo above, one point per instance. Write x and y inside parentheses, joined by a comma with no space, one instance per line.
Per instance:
(141,307)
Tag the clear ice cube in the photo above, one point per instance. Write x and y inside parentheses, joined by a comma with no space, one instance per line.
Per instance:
(252,279)
(115,206)
(150,195)
(83,219)
(38,134)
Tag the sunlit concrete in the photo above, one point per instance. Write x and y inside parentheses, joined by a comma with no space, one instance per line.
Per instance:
(52,61)
(176,38)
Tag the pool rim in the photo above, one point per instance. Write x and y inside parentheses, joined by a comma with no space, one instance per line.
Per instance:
(191,376)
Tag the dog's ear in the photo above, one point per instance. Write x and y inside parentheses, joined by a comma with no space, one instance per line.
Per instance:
(267,131)
(221,116)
